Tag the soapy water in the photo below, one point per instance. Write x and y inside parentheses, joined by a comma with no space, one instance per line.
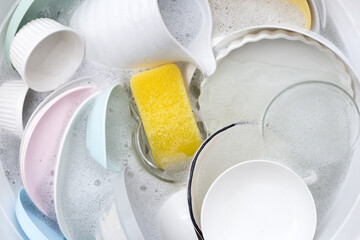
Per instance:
(233,15)
(146,203)
(313,128)
(317,121)
(119,125)
(183,19)
(82,200)
(84,208)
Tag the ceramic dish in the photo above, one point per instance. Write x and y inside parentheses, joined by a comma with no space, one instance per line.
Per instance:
(125,213)
(61,172)
(119,222)
(258,200)
(67,86)
(243,141)
(110,120)
(38,155)
(245,64)
(76,172)
(109,225)
(10,227)
(233,144)
(32,221)
(319,175)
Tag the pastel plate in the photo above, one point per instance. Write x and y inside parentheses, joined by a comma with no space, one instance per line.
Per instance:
(83,188)
(32,220)
(10,228)
(110,120)
(60,90)
(41,143)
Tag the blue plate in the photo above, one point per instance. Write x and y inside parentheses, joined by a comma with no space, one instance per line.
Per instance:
(33,222)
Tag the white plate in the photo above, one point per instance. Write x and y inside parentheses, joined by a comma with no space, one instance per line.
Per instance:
(83,188)
(252,69)
(258,200)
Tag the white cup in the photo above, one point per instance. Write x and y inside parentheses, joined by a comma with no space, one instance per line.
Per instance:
(12,97)
(132,34)
(46,54)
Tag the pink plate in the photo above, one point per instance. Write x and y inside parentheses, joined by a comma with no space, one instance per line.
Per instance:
(39,153)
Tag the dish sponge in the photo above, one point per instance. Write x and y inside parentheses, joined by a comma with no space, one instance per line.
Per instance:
(166,115)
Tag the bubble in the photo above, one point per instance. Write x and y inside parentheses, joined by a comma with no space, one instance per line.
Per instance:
(1,151)
(143,188)
(97,183)
(182,18)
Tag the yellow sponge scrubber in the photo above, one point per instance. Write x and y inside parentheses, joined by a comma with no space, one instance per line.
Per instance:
(166,114)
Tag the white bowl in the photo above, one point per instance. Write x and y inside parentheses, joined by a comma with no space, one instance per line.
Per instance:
(258,200)
(46,54)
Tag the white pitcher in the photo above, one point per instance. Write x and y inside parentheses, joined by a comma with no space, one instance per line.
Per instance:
(132,34)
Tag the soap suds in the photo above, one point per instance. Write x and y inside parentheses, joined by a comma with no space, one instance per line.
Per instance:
(233,15)
(183,18)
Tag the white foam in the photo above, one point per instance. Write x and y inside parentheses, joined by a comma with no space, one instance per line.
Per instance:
(87,187)
(230,15)
(183,19)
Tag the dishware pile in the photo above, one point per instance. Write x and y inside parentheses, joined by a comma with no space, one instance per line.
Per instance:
(211,135)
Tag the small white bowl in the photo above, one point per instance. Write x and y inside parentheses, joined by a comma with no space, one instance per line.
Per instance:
(259,200)
(46,54)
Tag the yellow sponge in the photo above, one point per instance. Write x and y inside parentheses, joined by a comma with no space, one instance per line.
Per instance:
(166,114)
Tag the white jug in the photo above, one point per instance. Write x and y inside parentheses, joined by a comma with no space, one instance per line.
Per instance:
(132,34)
